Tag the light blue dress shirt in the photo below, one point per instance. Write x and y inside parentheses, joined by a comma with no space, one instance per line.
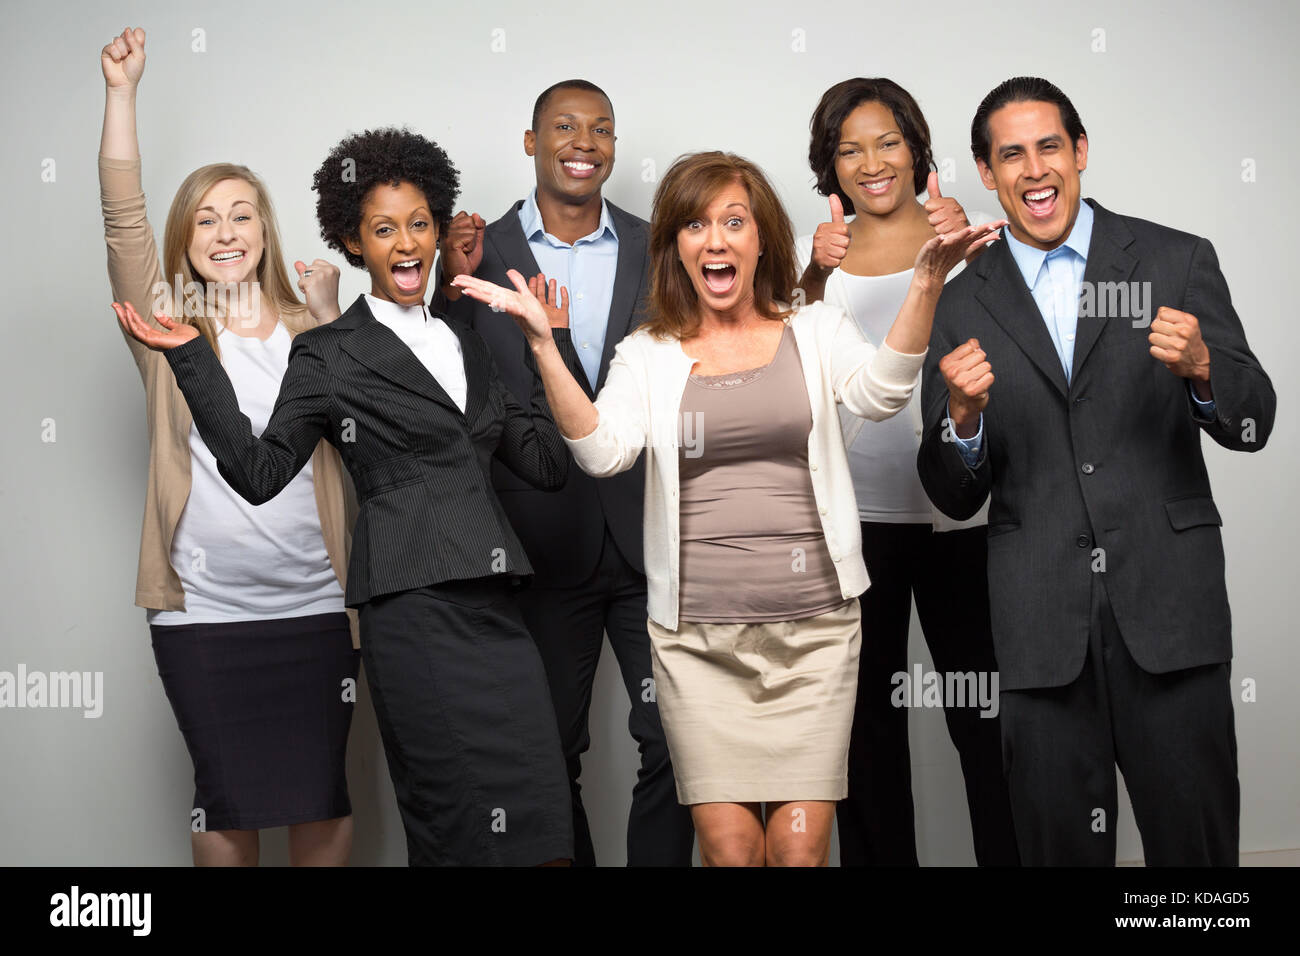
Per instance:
(587,269)
(1054,279)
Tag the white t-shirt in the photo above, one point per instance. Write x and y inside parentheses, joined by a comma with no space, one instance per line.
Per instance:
(882,455)
(243,562)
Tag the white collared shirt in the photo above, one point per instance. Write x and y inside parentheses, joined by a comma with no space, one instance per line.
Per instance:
(433,342)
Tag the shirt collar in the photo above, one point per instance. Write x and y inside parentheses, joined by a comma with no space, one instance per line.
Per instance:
(391,313)
(1030,260)
(530,217)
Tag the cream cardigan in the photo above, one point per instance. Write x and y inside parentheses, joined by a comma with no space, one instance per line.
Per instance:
(640,406)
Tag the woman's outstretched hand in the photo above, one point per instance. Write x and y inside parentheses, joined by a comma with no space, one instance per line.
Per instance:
(169,336)
(123,60)
(528,311)
(940,255)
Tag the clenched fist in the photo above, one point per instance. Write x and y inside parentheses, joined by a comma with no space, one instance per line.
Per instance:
(967,372)
(1175,339)
(462,249)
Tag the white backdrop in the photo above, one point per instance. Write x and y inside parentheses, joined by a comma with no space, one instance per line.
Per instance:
(1190,112)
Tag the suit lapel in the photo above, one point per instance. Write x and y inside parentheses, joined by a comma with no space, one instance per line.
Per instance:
(376,346)
(1109,261)
(627,281)
(507,236)
(1007,299)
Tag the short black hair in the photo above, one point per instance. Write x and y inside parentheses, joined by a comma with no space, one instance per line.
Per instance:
(836,105)
(567,85)
(1022,89)
(381,156)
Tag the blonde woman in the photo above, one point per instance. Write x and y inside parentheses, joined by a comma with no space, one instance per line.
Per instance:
(245,605)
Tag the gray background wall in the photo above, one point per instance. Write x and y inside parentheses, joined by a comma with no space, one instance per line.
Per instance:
(1181,95)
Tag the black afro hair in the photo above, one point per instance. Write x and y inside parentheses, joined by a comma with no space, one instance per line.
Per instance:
(364,160)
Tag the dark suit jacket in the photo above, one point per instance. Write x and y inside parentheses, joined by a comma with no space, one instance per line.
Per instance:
(563,532)
(421,468)
(1111,461)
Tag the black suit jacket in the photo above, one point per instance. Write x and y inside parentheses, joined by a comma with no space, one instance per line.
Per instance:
(1112,460)
(563,532)
(427,511)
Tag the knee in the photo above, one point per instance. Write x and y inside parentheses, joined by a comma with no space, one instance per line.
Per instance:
(731,851)
(797,853)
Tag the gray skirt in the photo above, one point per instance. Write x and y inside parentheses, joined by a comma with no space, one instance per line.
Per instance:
(759,712)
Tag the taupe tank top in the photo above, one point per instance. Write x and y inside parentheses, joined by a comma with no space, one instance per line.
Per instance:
(752,545)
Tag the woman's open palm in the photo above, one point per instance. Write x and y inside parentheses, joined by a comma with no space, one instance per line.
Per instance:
(171,334)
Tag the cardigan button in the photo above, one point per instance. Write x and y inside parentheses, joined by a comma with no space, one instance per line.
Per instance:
(822,510)
(813,466)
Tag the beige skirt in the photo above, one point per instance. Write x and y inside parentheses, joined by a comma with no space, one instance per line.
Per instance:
(759,713)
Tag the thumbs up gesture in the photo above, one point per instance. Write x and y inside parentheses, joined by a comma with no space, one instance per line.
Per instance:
(946,214)
(831,240)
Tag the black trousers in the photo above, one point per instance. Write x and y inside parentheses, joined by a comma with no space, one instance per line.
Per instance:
(569,624)
(1172,736)
(461,702)
(947,574)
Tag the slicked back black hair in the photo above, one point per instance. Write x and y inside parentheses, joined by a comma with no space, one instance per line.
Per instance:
(1022,89)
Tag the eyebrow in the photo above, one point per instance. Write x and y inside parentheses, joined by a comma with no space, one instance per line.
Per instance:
(232,205)
(598,119)
(422,211)
(1044,141)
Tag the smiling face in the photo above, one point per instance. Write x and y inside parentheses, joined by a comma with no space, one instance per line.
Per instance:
(227,242)
(1035,170)
(398,239)
(573,145)
(872,161)
(719,251)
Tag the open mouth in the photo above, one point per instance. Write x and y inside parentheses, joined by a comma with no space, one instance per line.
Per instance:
(579,169)
(1041,202)
(877,187)
(227,258)
(407,275)
(719,277)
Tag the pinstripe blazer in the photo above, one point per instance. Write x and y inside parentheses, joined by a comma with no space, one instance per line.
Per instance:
(427,510)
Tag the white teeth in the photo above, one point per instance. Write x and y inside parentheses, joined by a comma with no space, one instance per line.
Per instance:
(876,184)
(575,164)
(409,262)
(717,265)
(227,256)
(1040,194)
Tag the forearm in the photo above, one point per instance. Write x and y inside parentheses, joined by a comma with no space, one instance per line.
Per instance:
(813,282)
(573,411)
(910,332)
(118,139)
(257,468)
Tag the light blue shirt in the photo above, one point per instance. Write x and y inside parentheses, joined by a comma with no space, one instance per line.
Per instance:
(1054,279)
(587,269)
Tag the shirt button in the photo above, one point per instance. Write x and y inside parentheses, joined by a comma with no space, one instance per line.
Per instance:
(1069,337)
(585,344)
(579,296)
(1087,468)
(1082,541)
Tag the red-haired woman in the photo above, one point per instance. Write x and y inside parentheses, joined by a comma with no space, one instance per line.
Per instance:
(751,540)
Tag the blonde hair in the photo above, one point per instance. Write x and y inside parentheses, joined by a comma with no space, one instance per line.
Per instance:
(277,291)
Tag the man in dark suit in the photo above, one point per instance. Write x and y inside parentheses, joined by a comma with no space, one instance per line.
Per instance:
(584,542)
(1105,562)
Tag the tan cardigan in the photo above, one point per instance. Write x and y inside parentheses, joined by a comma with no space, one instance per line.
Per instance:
(134,271)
